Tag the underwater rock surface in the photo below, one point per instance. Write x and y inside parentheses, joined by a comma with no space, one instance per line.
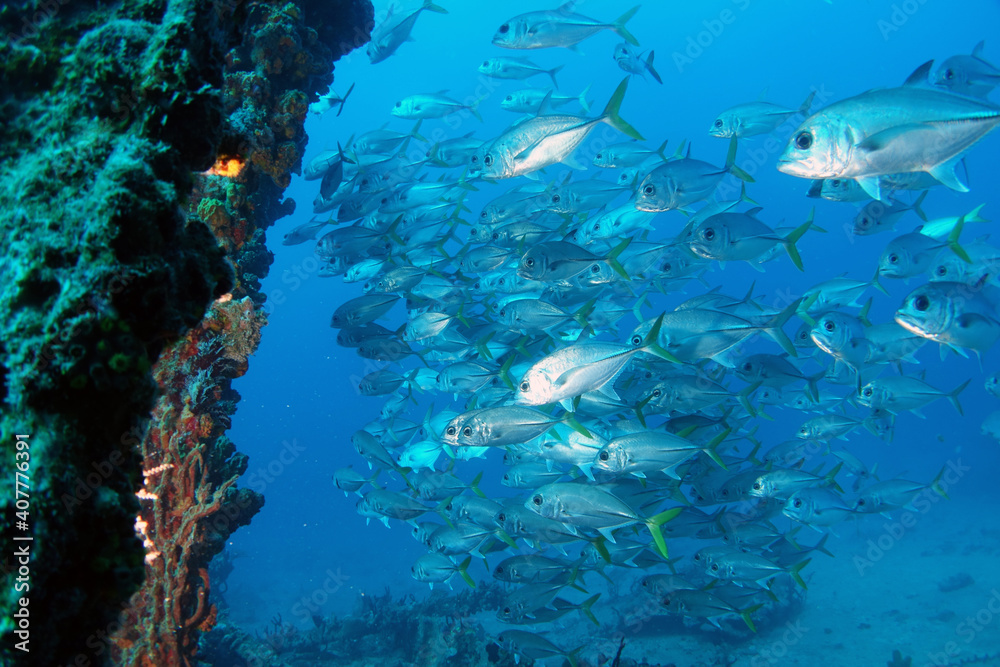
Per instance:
(115,247)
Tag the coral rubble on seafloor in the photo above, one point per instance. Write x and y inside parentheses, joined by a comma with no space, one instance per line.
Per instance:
(145,149)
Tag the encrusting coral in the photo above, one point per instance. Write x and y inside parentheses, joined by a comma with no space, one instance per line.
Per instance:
(145,149)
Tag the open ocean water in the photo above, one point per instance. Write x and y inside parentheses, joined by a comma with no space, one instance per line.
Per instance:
(922,580)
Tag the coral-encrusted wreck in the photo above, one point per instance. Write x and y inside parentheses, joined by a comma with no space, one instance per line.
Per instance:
(145,149)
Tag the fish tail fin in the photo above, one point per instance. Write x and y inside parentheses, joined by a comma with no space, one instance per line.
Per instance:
(463,571)
(585,608)
(660,152)
(829,478)
(745,615)
(552,75)
(876,284)
(638,410)
(773,328)
(744,397)
(651,342)
(621,30)
(794,236)
(343,100)
(611,116)
(974,216)
(574,424)
(649,67)
(936,484)
(953,241)
(504,371)
(582,99)
(953,397)
(586,309)
(432,155)
(821,546)
(474,485)
(654,523)
(711,447)
(863,315)
(612,258)
(415,132)
(743,195)
(804,107)
(731,163)
(916,206)
(431,7)
(474,109)
(571,656)
(796,573)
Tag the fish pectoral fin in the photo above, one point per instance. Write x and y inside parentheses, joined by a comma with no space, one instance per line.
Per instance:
(573,163)
(881,140)
(870,184)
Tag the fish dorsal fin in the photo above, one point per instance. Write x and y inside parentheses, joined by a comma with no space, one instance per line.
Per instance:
(920,76)
(763,95)
(545,106)
(754,211)
(977,51)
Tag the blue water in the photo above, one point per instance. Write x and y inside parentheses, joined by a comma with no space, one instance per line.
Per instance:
(300,403)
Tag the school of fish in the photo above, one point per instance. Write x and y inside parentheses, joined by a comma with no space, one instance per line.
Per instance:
(628,435)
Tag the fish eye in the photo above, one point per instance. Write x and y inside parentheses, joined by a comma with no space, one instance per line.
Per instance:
(503,312)
(524,386)
(829,326)
(636,339)
(501,281)
(708,234)
(475,158)
(756,486)
(499,569)
(603,456)
(488,160)
(486,63)
(599,156)
(666,267)
(715,567)
(803,141)
(941,270)
(894,258)
(399,104)
(556,199)
(797,503)
(529,262)
(949,74)
(718,122)
(835,182)
(657,393)
(861,502)
(596,268)
(502,517)
(597,226)
(748,366)
(475,285)
(496,236)
(506,610)
(510,98)
(649,190)
(467,431)
(537,500)
(865,221)
(449,507)
(867,391)
(503,29)
(921,303)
